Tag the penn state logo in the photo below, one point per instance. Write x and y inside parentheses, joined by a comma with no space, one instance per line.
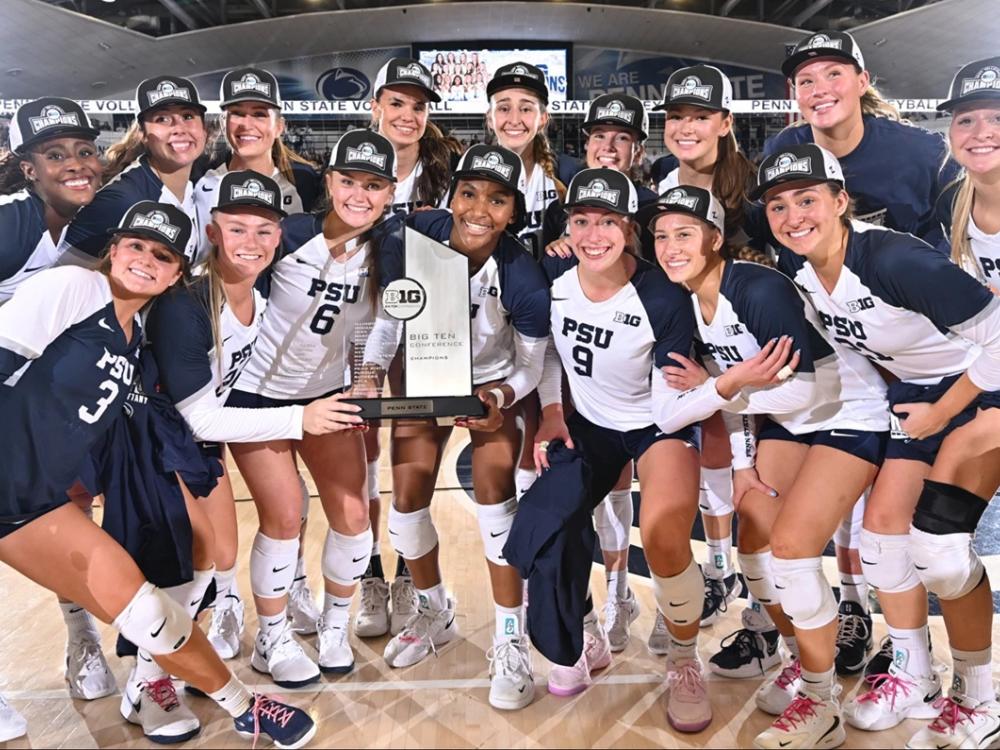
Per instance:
(50,117)
(413,71)
(252,189)
(366,153)
(598,190)
(158,222)
(691,86)
(987,78)
(679,197)
(343,83)
(822,41)
(520,70)
(167,90)
(615,111)
(250,82)
(788,163)
(493,162)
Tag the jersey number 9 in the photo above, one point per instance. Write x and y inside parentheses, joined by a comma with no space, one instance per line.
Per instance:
(584,359)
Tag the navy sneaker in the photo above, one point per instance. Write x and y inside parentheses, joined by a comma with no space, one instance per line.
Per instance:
(854,638)
(286,726)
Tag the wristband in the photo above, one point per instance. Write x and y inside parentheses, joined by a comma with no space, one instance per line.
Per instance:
(499,396)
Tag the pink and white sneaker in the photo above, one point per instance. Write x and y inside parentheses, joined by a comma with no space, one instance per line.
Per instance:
(596,655)
(962,724)
(891,698)
(778,691)
(808,722)
(688,706)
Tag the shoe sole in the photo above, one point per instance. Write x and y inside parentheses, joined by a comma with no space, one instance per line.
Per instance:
(657,651)
(301,742)
(9,737)
(336,670)
(567,692)
(77,695)
(437,647)
(770,711)
(925,712)
(681,726)
(308,630)
(160,739)
(360,633)
(526,700)
(290,684)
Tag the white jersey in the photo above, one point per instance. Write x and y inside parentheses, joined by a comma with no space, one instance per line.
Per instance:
(986,249)
(672,180)
(539,193)
(27,243)
(314,305)
(404,198)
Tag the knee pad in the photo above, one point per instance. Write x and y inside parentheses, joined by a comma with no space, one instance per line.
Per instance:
(190,595)
(412,535)
(523,479)
(373,488)
(154,622)
(948,509)
(806,596)
(304,491)
(947,564)
(494,525)
(613,520)
(681,598)
(345,558)
(759,577)
(272,565)
(715,496)
(848,534)
(886,562)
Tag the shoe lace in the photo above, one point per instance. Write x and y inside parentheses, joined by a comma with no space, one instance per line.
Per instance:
(852,628)
(744,642)
(224,621)
(162,692)
(885,646)
(419,628)
(612,612)
(952,714)
(715,595)
(509,656)
(883,686)
(374,592)
(800,709)
(686,677)
(286,645)
(788,675)
(265,707)
(92,657)
(405,595)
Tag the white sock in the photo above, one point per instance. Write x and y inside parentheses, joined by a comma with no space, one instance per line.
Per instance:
(523,479)
(79,624)
(435,597)
(618,583)
(792,645)
(272,626)
(225,580)
(146,669)
(909,650)
(973,674)
(509,622)
(720,557)
(854,588)
(591,624)
(818,684)
(336,610)
(233,697)
(682,649)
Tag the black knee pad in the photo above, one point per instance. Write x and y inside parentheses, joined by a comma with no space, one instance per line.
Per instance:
(948,509)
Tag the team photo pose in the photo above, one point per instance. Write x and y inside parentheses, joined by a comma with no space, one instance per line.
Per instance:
(908,309)
(77,360)
(819,446)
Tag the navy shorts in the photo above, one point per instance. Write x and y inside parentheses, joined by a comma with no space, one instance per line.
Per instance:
(247,400)
(926,450)
(866,445)
(211,450)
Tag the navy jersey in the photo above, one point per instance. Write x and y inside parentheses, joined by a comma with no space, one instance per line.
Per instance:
(896,175)
(88,233)
(907,308)
(65,371)
(609,349)
(27,246)
(662,167)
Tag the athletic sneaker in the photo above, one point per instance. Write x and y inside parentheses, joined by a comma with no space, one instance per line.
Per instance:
(807,722)
(893,697)
(302,609)
(882,659)
(778,692)
(335,654)
(596,655)
(745,654)
(286,726)
(154,705)
(688,707)
(659,637)
(405,603)
(719,594)
(372,618)
(12,724)
(619,614)
(425,633)
(284,660)
(227,626)
(512,685)
(87,672)
(854,638)
(962,724)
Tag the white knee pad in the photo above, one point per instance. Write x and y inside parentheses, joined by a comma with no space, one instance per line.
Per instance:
(190,595)
(886,562)
(272,565)
(412,535)
(304,492)
(715,496)
(681,598)
(523,479)
(154,622)
(373,488)
(759,576)
(848,534)
(613,520)
(946,563)
(345,558)
(494,525)
(806,596)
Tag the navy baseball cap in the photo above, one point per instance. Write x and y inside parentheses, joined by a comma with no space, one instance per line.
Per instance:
(686,199)
(249,85)
(161,222)
(602,187)
(805,162)
(364,151)
(405,71)
(519,75)
(162,91)
(618,111)
(45,118)
(249,188)
(823,44)
(700,85)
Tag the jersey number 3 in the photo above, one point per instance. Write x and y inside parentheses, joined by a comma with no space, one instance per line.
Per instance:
(110,389)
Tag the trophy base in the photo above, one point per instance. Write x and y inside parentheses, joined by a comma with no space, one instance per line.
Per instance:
(419,407)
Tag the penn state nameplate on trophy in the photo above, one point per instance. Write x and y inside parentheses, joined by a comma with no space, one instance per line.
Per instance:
(428,296)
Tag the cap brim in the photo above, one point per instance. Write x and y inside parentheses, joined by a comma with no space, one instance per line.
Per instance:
(250,98)
(586,125)
(248,203)
(432,95)
(60,132)
(647,213)
(794,62)
(472,174)
(693,101)
(529,85)
(589,203)
(180,102)
(366,170)
(977,96)
(149,234)
(761,190)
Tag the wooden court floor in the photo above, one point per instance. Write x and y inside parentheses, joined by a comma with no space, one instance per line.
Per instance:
(441,702)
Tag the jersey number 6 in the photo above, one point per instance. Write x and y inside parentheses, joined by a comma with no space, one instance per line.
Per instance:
(324,319)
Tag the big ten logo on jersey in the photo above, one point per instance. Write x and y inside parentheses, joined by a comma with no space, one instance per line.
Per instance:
(120,373)
(627,319)
(237,362)
(726,355)
(851,333)
(485,292)
(333,294)
(587,336)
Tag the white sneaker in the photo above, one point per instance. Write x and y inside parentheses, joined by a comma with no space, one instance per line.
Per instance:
(335,654)
(227,626)
(372,618)
(284,660)
(962,724)
(426,631)
(779,690)
(895,697)
(512,685)
(688,706)
(619,614)
(87,672)
(12,724)
(155,706)
(302,609)
(404,603)
(659,636)
(807,722)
